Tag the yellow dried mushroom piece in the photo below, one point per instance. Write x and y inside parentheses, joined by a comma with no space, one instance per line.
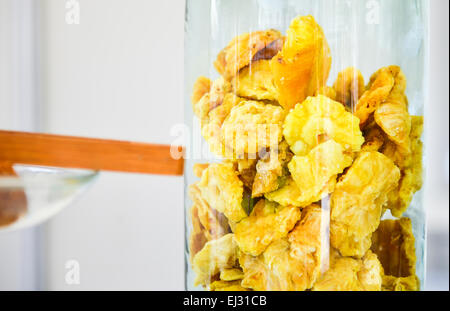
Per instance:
(251,126)
(245,48)
(274,270)
(306,242)
(290,264)
(214,257)
(267,222)
(201,86)
(306,237)
(314,172)
(358,201)
(303,65)
(198,169)
(198,236)
(211,98)
(214,223)
(349,86)
(411,180)
(234,286)
(319,119)
(271,170)
(384,82)
(212,109)
(268,173)
(223,191)
(232,274)
(255,273)
(393,242)
(393,118)
(220,112)
(255,82)
(290,194)
(350,274)
(212,125)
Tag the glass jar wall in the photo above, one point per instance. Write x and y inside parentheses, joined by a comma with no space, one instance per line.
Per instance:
(304,154)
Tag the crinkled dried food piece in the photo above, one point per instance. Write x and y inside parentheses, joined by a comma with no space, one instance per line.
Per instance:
(219,113)
(411,180)
(274,270)
(223,191)
(349,86)
(303,65)
(212,109)
(198,236)
(383,83)
(250,127)
(215,256)
(268,222)
(290,194)
(255,82)
(306,242)
(201,87)
(232,274)
(271,170)
(198,169)
(319,119)
(234,286)
(214,223)
(393,242)
(314,172)
(350,274)
(393,118)
(290,264)
(211,97)
(212,125)
(244,48)
(358,200)
(267,176)
(255,272)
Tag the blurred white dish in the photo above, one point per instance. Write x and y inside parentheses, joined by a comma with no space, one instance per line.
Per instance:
(48,191)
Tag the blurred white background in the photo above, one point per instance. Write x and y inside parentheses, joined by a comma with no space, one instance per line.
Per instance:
(119,74)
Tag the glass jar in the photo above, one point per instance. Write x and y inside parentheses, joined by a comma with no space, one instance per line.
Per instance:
(304,159)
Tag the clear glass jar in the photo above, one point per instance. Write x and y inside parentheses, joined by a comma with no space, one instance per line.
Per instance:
(313,119)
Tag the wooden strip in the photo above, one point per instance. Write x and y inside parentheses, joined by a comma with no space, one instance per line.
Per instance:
(88,153)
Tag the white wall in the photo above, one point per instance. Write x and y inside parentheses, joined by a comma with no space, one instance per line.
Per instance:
(437,149)
(19,110)
(118,74)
